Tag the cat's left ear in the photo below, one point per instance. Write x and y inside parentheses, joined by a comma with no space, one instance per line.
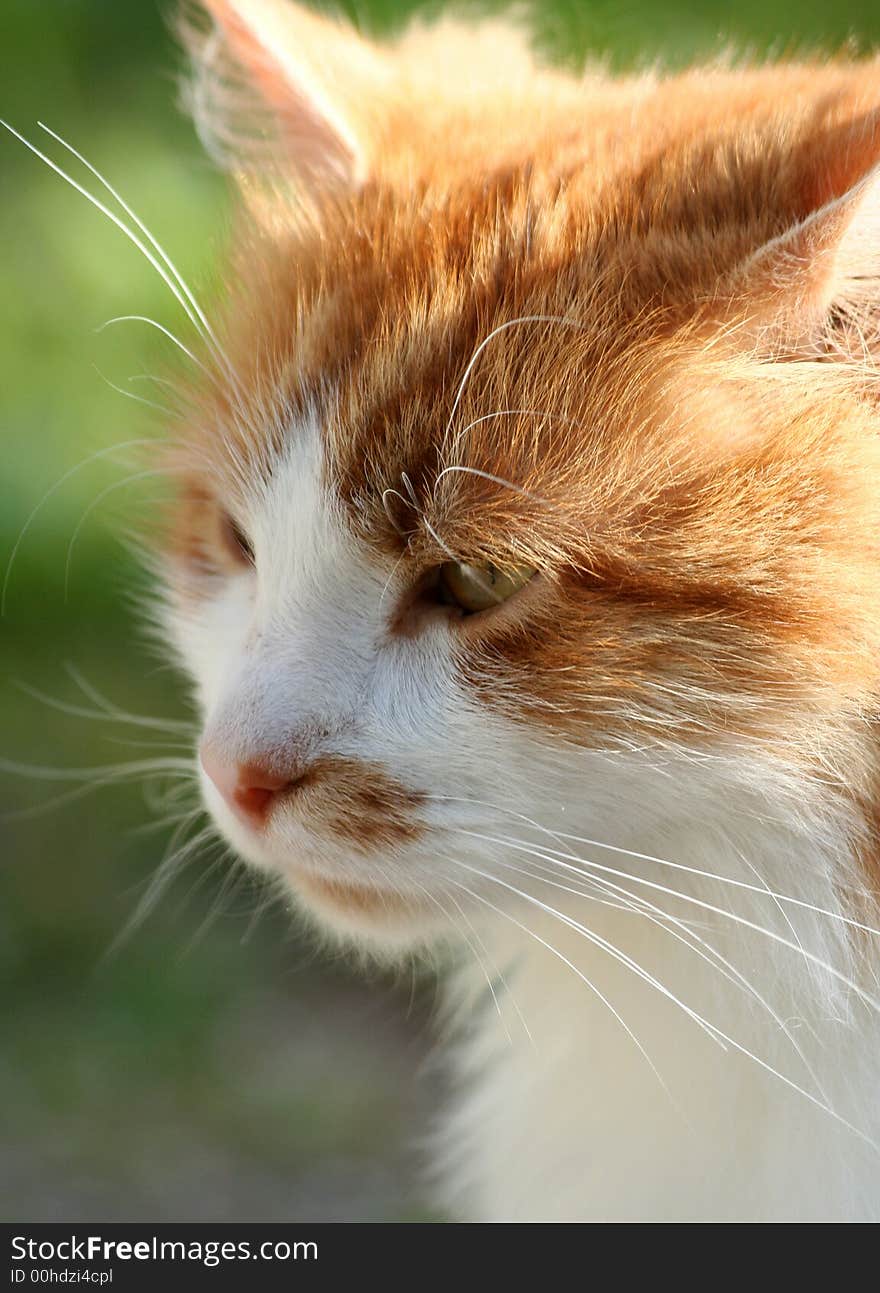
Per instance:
(280,90)
(828,260)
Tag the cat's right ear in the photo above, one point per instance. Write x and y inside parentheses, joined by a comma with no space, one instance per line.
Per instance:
(826,264)
(280,91)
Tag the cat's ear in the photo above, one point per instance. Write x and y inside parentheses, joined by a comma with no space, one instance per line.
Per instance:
(278,88)
(827,262)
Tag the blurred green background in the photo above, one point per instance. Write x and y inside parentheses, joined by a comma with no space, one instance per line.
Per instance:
(212,1065)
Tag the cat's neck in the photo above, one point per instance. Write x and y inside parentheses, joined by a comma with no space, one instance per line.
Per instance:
(637,1056)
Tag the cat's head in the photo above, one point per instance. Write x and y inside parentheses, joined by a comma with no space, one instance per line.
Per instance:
(526,484)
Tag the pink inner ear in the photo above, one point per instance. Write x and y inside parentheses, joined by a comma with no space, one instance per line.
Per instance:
(788,285)
(255,55)
(297,65)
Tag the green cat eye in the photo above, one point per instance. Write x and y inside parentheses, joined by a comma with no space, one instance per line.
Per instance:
(477,588)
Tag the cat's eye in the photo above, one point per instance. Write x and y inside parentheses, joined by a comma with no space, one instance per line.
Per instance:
(235,541)
(478,588)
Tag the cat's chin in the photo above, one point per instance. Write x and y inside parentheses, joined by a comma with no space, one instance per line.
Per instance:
(385,921)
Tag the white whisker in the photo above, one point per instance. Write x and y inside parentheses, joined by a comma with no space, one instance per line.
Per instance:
(166,332)
(687,936)
(175,855)
(114,219)
(154,243)
(461,933)
(712,1030)
(598,941)
(141,767)
(811,957)
(118,715)
(497,480)
(96,502)
(89,781)
(393,493)
(502,979)
(728,880)
(502,327)
(62,480)
(132,395)
(506,915)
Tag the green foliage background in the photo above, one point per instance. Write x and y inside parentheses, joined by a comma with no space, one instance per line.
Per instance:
(214,1065)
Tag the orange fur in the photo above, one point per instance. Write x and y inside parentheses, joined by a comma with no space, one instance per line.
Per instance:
(361,804)
(683,441)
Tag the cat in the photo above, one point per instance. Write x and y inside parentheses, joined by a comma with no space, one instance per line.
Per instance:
(525,563)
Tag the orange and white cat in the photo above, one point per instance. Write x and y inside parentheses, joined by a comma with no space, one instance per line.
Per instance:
(526,565)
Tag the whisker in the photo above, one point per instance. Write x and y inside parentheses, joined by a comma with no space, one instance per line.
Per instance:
(62,480)
(470,945)
(270,897)
(114,219)
(132,395)
(200,322)
(497,480)
(88,786)
(712,1030)
(389,580)
(502,327)
(410,489)
(154,243)
(40,772)
(574,969)
(153,377)
(234,872)
(175,854)
(598,941)
(728,880)
(131,742)
(443,546)
(501,976)
(699,946)
(170,819)
(392,493)
(776,901)
(832,970)
(560,836)
(96,502)
(117,715)
(166,332)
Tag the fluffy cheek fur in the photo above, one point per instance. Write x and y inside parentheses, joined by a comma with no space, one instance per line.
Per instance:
(405,766)
(437,759)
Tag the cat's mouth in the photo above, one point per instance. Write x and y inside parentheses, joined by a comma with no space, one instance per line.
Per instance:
(343,803)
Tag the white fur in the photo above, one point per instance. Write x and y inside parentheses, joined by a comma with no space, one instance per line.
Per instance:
(575,1124)
(558,1112)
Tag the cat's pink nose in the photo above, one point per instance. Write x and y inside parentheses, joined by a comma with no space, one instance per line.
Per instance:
(250,789)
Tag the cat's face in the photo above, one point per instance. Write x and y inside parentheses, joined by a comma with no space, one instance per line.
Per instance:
(485,529)
(366,688)
(324,669)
